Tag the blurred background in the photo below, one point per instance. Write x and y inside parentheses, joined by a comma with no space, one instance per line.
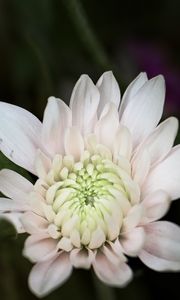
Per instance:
(45,46)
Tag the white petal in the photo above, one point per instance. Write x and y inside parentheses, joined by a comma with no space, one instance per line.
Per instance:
(57,117)
(84,103)
(133,241)
(19,135)
(15,219)
(144,111)
(155,206)
(14,185)
(42,164)
(133,218)
(140,166)
(73,143)
(162,247)
(33,223)
(109,91)
(107,125)
(10,205)
(132,90)
(165,176)
(161,140)
(39,246)
(47,276)
(82,258)
(97,238)
(111,274)
(122,143)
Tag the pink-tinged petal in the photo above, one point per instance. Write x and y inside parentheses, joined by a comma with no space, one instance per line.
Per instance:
(81,258)
(155,206)
(33,223)
(15,219)
(19,135)
(133,241)
(165,176)
(140,166)
(73,143)
(122,145)
(133,218)
(113,256)
(84,103)
(7,205)
(162,248)
(38,247)
(160,141)
(157,263)
(57,117)
(14,185)
(47,276)
(132,90)
(117,275)
(109,91)
(144,111)
(107,125)
(42,164)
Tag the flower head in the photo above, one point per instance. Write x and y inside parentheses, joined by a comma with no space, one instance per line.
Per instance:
(106,173)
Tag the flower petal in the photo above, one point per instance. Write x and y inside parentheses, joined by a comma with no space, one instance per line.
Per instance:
(47,276)
(14,185)
(39,246)
(133,241)
(165,176)
(155,206)
(57,117)
(81,258)
(33,223)
(144,111)
(107,125)
(19,135)
(111,274)
(133,218)
(162,248)
(160,141)
(73,143)
(10,205)
(132,90)
(109,91)
(84,102)
(122,143)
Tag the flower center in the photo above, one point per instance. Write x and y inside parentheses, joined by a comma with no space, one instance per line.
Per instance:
(86,201)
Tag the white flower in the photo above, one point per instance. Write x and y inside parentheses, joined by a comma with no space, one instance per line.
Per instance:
(106,174)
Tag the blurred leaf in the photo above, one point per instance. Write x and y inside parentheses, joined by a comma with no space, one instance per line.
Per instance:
(7,230)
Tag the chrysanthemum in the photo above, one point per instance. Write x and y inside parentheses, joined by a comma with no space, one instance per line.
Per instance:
(106,173)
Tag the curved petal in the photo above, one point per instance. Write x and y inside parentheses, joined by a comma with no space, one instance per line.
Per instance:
(162,245)
(160,141)
(81,258)
(112,274)
(48,275)
(19,135)
(15,186)
(109,91)
(144,111)
(57,117)
(33,223)
(84,103)
(107,125)
(133,241)
(165,176)
(38,247)
(155,206)
(122,143)
(73,143)
(132,90)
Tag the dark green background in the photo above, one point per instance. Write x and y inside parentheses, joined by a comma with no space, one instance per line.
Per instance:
(45,45)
